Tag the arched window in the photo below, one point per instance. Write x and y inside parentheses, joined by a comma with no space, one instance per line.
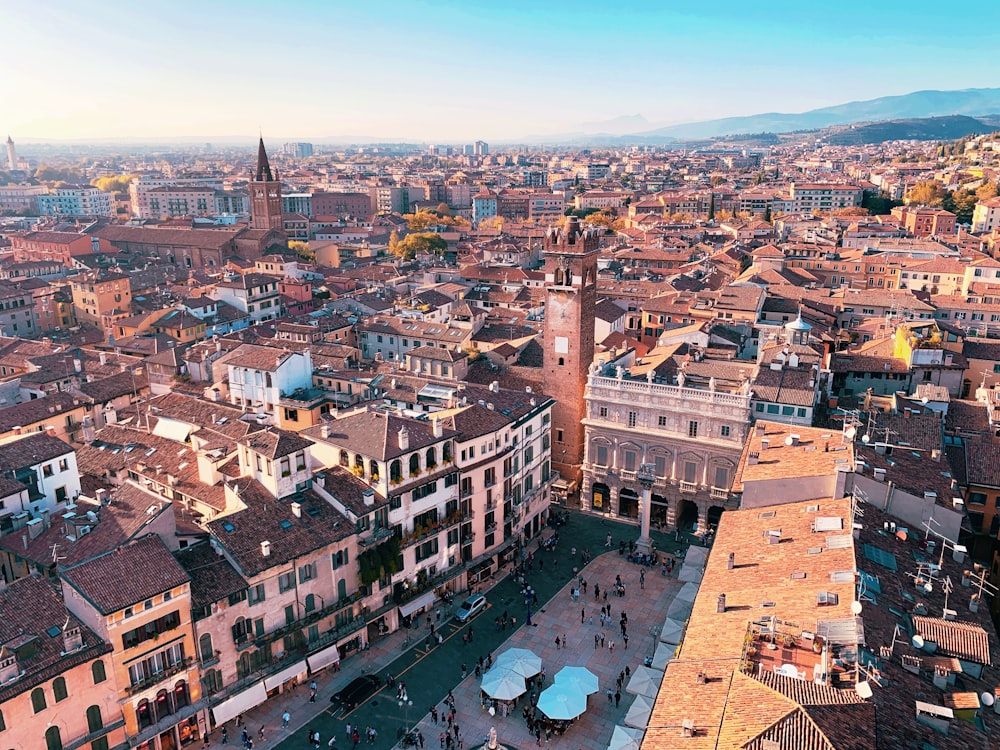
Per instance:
(38,700)
(94,721)
(59,688)
(144,714)
(205,647)
(431,458)
(310,602)
(180,695)
(359,461)
(373,470)
(97,669)
(395,471)
(446,452)
(163,707)
(414,464)
(344,458)
(52,739)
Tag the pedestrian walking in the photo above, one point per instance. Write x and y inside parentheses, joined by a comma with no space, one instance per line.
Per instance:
(611,696)
(597,591)
(225,736)
(602,639)
(558,642)
(465,670)
(618,698)
(285,718)
(642,579)
(260,734)
(583,616)
(597,640)
(628,671)
(611,646)
(625,639)
(434,714)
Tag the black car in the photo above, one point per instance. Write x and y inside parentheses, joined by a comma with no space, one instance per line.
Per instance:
(357,691)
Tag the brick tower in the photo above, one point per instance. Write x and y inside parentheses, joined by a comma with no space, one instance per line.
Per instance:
(265,195)
(571,286)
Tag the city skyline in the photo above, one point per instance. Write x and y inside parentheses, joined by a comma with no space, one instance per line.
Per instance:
(444,71)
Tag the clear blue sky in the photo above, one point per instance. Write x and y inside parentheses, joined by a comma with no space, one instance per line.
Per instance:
(457,71)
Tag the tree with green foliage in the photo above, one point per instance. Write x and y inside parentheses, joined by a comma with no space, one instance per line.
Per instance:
(113,183)
(422,242)
(878,205)
(302,250)
(767,214)
(927,193)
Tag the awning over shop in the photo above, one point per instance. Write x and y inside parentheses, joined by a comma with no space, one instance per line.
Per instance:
(481,566)
(326,657)
(280,678)
(418,602)
(239,703)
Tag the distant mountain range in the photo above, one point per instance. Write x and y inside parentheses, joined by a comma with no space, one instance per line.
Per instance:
(918,104)
(912,129)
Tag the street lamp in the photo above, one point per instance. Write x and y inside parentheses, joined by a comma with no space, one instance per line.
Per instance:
(405,705)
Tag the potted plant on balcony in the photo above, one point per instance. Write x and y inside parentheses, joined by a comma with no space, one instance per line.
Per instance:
(357,471)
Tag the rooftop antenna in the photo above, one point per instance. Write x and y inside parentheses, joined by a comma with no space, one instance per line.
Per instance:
(56,557)
(886,651)
(982,585)
(946,543)
(947,587)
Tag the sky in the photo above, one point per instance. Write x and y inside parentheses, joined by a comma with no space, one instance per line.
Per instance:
(454,72)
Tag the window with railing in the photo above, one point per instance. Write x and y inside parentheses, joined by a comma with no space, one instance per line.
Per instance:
(152,629)
(156,667)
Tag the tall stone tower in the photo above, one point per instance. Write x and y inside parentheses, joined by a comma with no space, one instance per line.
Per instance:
(265,195)
(11,154)
(571,296)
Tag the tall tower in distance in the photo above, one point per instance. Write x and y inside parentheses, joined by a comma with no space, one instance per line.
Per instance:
(11,154)
(265,195)
(571,297)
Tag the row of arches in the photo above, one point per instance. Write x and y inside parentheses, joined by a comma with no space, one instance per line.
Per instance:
(149,712)
(416,463)
(668,464)
(685,515)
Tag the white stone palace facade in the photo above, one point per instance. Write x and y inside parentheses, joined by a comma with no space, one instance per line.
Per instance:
(692,433)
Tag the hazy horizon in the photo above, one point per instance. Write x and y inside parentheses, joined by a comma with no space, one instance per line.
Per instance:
(449,72)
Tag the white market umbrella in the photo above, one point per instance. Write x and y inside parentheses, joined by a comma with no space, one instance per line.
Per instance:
(526,663)
(503,684)
(664,654)
(562,702)
(581,677)
(672,631)
(639,711)
(644,681)
(625,738)
(688,593)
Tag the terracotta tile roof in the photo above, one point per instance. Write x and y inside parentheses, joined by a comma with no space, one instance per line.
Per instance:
(819,453)
(273,443)
(376,434)
(32,608)
(31,451)
(37,410)
(110,582)
(982,463)
(963,640)
(785,386)
(213,578)
(266,519)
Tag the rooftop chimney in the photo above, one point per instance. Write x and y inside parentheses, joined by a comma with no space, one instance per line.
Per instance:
(436,427)
(495,386)
(324,431)
(732,560)
(265,549)
(404,439)
(72,639)
(297,510)
(720,605)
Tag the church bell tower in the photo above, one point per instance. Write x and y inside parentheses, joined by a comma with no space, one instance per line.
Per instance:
(265,195)
(571,297)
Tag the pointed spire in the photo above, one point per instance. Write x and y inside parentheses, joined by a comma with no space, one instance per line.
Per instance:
(263,166)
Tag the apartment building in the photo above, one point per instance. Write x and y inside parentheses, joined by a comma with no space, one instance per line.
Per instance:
(259,376)
(101,297)
(18,316)
(59,247)
(986,215)
(924,221)
(823,196)
(141,192)
(252,293)
(75,200)
(57,690)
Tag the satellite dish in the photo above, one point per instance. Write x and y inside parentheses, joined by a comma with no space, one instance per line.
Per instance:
(917,641)
(850,432)
(987,699)
(856,608)
(864,690)
(928,587)
(866,438)
(788,440)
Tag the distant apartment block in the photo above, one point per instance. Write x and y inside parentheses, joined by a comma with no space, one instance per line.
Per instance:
(75,200)
(20,198)
(297,150)
(986,215)
(824,196)
(923,221)
(140,190)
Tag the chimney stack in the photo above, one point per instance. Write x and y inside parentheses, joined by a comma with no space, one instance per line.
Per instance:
(404,439)
(720,605)
(265,549)
(72,639)
(297,510)
(732,560)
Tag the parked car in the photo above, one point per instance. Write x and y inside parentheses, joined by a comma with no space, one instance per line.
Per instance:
(357,691)
(471,607)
